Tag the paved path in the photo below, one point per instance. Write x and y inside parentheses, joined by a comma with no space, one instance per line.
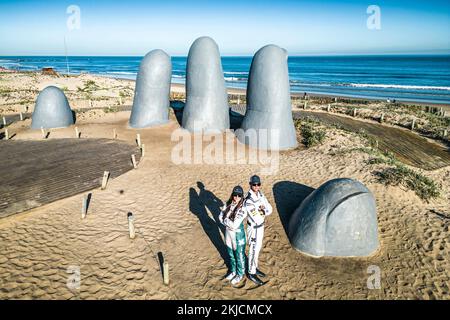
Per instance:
(408,147)
(33,173)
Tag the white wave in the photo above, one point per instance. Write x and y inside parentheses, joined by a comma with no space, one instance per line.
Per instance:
(299,84)
(397,86)
(234,79)
(235,72)
(120,72)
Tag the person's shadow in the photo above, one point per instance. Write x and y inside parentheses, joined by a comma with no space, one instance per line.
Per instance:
(198,205)
(288,196)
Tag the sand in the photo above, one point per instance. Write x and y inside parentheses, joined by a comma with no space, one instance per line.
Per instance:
(175,207)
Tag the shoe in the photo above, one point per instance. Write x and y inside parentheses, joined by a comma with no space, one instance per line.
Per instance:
(259,273)
(255,279)
(238,278)
(230,275)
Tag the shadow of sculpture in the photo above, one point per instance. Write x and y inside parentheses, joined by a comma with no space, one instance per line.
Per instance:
(235,120)
(288,196)
(199,204)
(178,107)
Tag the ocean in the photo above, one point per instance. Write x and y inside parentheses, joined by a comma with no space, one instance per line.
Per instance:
(424,78)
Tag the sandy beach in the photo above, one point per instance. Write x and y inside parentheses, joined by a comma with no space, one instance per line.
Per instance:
(176,208)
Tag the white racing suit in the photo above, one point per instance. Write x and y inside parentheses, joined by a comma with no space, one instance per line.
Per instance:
(255,226)
(235,238)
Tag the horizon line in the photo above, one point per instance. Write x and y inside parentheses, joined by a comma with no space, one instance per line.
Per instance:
(243,55)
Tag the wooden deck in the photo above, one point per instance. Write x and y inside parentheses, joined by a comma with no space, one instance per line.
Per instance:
(33,173)
(408,147)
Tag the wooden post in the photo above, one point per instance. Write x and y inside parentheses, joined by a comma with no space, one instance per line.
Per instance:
(413,124)
(444,134)
(376,144)
(166,273)
(354,112)
(142,150)
(133,159)
(382,117)
(6,134)
(131,225)
(4,121)
(305,105)
(105,179)
(77,133)
(120,100)
(44,134)
(21,116)
(138,139)
(114,134)
(239,99)
(329,108)
(84,206)
(335,99)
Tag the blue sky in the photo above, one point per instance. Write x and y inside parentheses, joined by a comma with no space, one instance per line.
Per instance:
(239,27)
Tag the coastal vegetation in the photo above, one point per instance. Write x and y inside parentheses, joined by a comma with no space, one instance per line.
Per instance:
(390,171)
(311,131)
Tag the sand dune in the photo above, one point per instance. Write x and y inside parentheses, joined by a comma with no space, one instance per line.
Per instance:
(175,209)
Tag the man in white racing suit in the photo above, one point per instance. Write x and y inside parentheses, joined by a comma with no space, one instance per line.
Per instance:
(257,208)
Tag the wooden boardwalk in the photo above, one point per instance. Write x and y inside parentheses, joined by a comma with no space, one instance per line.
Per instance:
(33,173)
(408,147)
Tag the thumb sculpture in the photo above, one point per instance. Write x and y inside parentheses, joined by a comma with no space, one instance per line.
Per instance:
(52,110)
(206,106)
(337,219)
(268,120)
(151,99)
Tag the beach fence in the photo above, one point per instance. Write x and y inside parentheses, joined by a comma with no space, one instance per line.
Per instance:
(178,96)
(237,103)
(439,111)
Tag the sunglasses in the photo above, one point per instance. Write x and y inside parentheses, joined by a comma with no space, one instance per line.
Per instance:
(256,184)
(237,195)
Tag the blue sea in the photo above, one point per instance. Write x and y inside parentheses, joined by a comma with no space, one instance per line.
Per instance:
(423,78)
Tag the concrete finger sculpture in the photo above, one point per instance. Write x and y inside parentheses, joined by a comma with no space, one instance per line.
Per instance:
(52,110)
(206,106)
(337,219)
(268,120)
(151,98)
